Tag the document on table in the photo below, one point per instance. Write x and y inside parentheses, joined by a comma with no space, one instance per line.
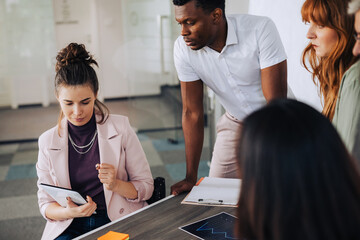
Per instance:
(215,192)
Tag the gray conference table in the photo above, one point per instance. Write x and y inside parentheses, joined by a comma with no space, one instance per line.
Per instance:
(160,220)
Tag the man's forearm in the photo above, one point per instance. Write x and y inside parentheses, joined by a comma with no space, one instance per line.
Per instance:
(193,128)
(274,81)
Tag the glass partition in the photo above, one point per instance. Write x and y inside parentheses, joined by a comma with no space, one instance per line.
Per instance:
(26,51)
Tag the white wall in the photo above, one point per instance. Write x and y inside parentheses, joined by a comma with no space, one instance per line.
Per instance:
(109,24)
(236,6)
(76,21)
(5,95)
(26,49)
(124,37)
(146,54)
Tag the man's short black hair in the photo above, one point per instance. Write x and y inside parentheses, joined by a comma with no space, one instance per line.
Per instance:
(207,5)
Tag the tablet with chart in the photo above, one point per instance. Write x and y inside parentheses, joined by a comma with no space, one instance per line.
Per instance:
(217,227)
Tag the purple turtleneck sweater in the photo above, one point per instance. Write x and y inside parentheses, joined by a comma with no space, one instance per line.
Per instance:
(83,175)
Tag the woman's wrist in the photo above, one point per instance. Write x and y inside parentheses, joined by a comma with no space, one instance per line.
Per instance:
(117,186)
(125,189)
(68,213)
(58,213)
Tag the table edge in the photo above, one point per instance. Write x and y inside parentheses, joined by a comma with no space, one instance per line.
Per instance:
(122,218)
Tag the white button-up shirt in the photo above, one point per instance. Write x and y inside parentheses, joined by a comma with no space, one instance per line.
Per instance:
(252,43)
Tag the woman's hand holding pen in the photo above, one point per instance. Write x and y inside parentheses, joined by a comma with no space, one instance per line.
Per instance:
(85,210)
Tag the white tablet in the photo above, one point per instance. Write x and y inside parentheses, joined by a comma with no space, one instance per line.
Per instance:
(59,194)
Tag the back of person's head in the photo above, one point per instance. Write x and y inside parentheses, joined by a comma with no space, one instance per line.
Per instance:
(299,181)
(329,70)
(74,68)
(207,5)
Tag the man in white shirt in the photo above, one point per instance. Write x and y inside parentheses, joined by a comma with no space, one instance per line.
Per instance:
(241,58)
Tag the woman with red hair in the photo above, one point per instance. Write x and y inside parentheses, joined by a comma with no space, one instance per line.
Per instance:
(329,52)
(330,60)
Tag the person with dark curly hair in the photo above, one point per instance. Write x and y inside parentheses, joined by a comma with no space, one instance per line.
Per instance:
(241,59)
(90,151)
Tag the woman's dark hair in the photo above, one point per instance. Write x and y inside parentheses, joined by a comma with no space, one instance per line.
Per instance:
(73,68)
(207,5)
(299,181)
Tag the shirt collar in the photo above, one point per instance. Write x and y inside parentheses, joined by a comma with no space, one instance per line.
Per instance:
(231,37)
(231,34)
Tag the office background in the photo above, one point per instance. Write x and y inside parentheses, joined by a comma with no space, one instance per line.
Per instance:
(132,41)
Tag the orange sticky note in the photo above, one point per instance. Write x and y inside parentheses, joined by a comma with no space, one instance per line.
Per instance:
(111,235)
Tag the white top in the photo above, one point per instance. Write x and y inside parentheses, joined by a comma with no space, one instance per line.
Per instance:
(252,43)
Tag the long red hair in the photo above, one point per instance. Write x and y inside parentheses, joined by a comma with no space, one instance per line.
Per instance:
(328,71)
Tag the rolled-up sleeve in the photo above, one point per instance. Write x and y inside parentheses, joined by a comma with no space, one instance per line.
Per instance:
(137,166)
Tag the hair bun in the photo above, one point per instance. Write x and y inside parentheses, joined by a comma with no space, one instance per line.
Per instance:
(72,54)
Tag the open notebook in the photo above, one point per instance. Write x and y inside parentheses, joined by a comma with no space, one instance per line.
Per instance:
(215,192)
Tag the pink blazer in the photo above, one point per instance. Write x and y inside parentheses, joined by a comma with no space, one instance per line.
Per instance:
(118,145)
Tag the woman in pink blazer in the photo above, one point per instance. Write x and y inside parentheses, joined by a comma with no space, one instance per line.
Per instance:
(89,151)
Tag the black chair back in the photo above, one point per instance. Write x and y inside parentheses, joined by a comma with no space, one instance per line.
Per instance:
(159,190)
